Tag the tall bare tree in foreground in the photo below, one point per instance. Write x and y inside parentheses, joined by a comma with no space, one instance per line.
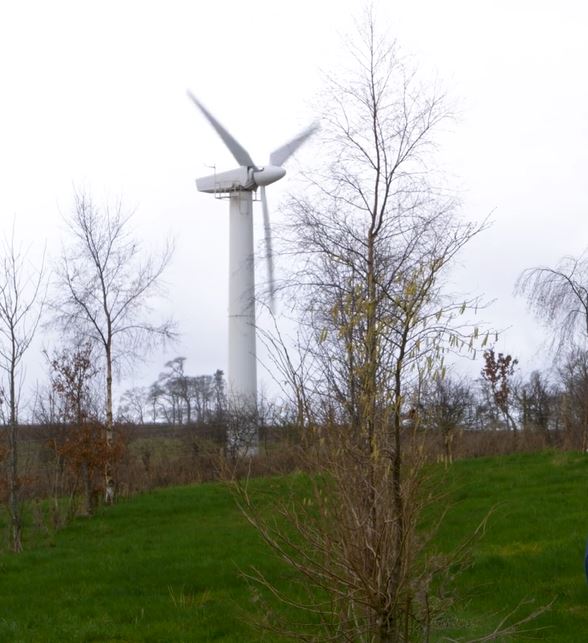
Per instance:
(373,239)
(21,303)
(105,285)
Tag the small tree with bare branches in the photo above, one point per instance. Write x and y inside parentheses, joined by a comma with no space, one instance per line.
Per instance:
(448,409)
(105,282)
(21,303)
(372,240)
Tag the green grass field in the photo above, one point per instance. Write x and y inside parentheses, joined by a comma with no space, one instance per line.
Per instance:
(165,566)
(534,545)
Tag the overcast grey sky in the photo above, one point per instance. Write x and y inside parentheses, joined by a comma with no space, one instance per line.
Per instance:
(93,96)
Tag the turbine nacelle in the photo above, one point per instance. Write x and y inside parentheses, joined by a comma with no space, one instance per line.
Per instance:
(241,178)
(268,174)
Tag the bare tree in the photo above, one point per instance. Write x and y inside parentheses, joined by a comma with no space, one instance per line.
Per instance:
(448,408)
(172,385)
(133,403)
(103,291)
(559,296)
(373,240)
(537,400)
(202,393)
(21,304)
(155,397)
(498,373)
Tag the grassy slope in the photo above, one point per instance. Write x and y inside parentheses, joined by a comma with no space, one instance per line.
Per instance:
(164,566)
(534,544)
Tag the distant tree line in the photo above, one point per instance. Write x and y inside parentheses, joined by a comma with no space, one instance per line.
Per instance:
(176,398)
(552,404)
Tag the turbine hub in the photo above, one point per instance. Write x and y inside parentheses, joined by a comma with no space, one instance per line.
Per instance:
(268,174)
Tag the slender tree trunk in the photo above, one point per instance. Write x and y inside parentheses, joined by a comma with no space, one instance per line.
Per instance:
(88,508)
(448,444)
(511,425)
(370,384)
(390,630)
(584,444)
(14,484)
(14,489)
(108,469)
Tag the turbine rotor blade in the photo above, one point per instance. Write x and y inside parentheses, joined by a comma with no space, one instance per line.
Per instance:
(237,150)
(268,250)
(282,154)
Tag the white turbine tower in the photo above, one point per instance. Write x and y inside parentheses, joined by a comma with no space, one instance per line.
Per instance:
(239,184)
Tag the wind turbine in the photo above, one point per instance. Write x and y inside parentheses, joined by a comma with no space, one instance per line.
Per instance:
(239,184)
